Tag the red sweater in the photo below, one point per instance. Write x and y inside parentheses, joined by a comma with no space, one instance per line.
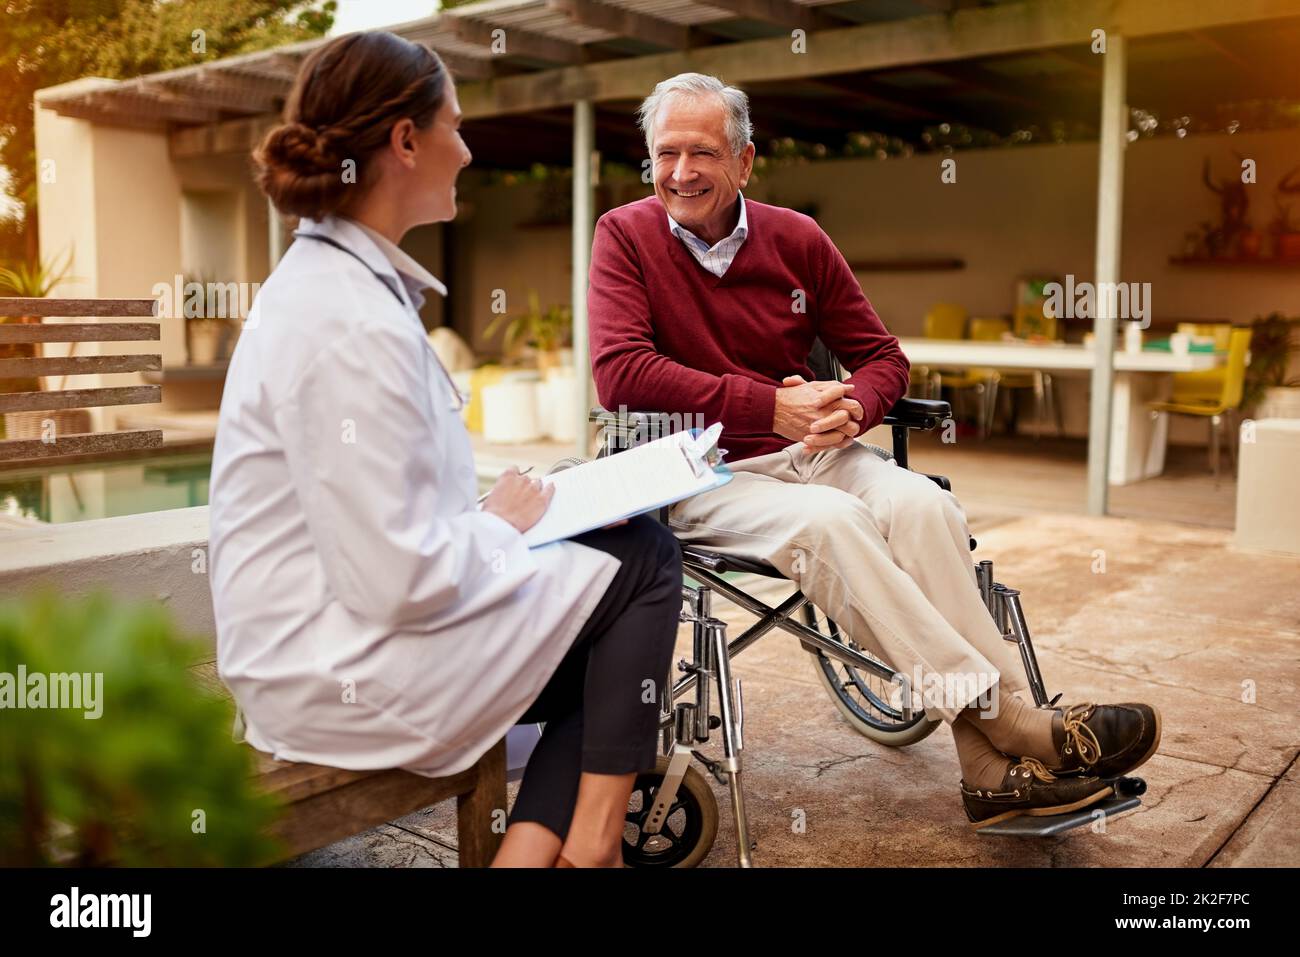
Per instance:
(669,336)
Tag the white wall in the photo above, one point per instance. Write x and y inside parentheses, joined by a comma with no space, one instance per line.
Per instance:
(113,198)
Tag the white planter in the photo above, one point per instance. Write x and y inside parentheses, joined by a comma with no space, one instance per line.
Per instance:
(510,412)
(204,344)
(1279,403)
(558,405)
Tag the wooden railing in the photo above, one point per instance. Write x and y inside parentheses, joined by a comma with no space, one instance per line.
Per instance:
(50,441)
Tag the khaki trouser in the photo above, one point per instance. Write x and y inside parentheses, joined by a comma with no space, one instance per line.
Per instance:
(883,551)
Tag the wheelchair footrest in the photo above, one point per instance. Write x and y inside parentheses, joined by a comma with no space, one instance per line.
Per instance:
(1125,799)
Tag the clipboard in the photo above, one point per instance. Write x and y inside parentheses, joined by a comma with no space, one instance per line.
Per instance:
(639,480)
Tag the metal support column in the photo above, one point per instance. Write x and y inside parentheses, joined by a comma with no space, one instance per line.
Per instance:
(1110,224)
(584,143)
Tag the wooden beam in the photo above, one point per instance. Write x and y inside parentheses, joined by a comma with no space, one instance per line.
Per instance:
(517,42)
(877,95)
(233,93)
(230,136)
(966,34)
(1259,73)
(1084,61)
(464,67)
(135,97)
(978,78)
(80,443)
(781,13)
(16,306)
(79,398)
(78,365)
(106,114)
(278,66)
(625,23)
(79,332)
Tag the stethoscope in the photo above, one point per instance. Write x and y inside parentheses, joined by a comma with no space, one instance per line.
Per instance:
(461,398)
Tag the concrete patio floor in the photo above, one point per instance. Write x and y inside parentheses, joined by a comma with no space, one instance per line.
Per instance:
(1179,618)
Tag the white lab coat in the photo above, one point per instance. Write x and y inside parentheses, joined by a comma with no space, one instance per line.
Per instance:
(368,614)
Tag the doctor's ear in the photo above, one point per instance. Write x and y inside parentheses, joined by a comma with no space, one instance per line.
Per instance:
(402,139)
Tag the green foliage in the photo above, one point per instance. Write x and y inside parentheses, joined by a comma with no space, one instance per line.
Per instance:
(122,788)
(34,282)
(47,42)
(1272,342)
(542,329)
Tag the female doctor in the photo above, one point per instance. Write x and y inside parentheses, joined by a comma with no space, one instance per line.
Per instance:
(369,614)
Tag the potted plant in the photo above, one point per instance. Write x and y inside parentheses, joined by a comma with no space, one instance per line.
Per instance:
(515,409)
(205,336)
(1286,225)
(1268,388)
(547,331)
(137,765)
(33,282)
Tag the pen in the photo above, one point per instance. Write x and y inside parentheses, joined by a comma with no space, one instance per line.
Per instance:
(489,491)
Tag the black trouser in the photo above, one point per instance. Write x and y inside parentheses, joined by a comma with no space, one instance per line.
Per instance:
(601,706)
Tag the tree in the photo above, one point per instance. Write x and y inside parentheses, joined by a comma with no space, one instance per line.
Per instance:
(47,42)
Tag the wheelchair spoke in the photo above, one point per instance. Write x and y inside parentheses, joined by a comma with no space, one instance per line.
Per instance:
(866,695)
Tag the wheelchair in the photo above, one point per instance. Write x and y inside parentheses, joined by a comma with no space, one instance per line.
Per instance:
(673,816)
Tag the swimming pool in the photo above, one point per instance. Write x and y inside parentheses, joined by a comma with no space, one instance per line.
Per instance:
(75,493)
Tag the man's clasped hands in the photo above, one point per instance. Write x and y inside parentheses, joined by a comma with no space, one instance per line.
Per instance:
(820,414)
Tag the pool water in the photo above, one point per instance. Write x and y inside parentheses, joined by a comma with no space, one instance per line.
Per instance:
(75,493)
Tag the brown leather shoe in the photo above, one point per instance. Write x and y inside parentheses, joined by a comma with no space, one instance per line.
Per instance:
(1029,788)
(1107,740)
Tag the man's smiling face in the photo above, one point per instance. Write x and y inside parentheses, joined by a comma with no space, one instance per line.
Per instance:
(697,176)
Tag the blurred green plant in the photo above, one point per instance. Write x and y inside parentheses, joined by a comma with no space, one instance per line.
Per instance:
(29,282)
(155,780)
(1272,342)
(543,329)
(34,281)
(47,43)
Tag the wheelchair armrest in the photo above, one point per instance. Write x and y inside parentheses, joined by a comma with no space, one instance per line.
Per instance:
(922,414)
(625,430)
(628,420)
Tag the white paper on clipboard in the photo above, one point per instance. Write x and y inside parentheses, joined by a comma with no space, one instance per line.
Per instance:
(639,480)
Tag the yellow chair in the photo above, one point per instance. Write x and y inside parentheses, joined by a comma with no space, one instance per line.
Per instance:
(948,321)
(1213,393)
(945,320)
(1029,321)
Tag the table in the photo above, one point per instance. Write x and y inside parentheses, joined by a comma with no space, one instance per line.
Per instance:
(1138,435)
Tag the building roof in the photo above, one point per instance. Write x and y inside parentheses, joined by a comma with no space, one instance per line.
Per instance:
(899,67)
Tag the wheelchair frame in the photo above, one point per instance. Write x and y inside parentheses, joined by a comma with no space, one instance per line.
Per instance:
(686,725)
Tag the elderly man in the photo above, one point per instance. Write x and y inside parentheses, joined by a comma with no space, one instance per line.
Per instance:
(705,303)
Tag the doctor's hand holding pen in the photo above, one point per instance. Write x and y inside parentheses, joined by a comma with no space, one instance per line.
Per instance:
(522,501)
(519,500)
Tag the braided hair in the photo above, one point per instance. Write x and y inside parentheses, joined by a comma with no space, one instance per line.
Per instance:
(344,102)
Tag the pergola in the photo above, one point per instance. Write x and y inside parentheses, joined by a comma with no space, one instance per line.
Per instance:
(564,77)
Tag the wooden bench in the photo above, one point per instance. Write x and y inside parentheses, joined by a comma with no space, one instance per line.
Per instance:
(323,805)
(54,423)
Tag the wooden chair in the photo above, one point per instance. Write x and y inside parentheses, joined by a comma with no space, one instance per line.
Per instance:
(43,424)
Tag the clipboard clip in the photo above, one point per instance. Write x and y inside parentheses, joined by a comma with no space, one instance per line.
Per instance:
(702,452)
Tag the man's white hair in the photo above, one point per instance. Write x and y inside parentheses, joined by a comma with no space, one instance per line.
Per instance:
(739,129)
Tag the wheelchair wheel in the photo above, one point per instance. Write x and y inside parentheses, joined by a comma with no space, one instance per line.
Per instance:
(689,831)
(862,698)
